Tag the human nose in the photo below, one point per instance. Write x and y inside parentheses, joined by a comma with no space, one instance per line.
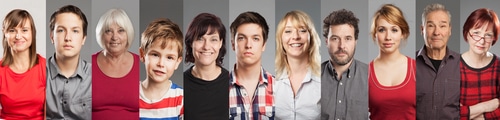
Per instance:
(248,44)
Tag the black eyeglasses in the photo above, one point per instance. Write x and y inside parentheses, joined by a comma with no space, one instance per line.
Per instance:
(486,37)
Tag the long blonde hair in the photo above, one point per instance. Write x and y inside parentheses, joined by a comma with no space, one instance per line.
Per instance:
(298,18)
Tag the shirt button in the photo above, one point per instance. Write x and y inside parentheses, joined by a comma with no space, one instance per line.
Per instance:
(340,83)
(340,101)
(64,102)
(338,119)
(66,81)
(349,76)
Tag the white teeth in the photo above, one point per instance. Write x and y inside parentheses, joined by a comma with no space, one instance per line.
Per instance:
(206,53)
(296,45)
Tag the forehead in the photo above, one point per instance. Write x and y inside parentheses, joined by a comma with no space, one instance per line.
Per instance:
(249,29)
(438,15)
(383,22)
(294,22)
(342,28)
(68,17)
(163,44)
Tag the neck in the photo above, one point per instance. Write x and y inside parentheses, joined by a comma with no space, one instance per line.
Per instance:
(67,65)
(114,57)
(389,58)
(298,65)
(436,54)
(341,68)
(206,72)
(248,73)
(151,86)
(478,60)
(21,60)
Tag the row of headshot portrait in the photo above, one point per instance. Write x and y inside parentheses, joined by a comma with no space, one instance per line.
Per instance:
(434,83)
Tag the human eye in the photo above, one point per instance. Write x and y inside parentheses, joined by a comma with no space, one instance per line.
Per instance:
(287,31)
(170,57)
(381,30)
(256,38)
(11,30)
(154,54)
(395,30)
(107,31)
(121,30)
(303,31)
(349,39)
(334,38)
(76,31)
(240,38)
(59,30)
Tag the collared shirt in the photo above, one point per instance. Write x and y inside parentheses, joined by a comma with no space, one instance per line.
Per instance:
(261,107)
(69,97)
(479,85)
(345,98)
(438,92)
(305,105)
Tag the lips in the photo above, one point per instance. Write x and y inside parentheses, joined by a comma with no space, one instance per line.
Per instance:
(247,53)
(114,44)
(387,45)
(206,53)
(67,46)
(296,44)
(19,42)
(158,72)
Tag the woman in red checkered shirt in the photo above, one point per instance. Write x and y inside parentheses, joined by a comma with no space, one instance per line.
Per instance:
(479,69)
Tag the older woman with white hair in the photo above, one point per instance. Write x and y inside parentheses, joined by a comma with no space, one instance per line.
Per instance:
(115,70)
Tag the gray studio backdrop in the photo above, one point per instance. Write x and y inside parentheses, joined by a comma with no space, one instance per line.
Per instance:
(99,7)
(454,8)
(219,8)
(310,7)
(52,6)
(408,8)
(360,10)
(153,9)
(466,8)
(37,10)
(266,9)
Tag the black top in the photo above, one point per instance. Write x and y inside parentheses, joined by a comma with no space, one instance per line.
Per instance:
(436,63)
(206,100)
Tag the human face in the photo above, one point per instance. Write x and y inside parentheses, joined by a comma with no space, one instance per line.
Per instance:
(341,43)
(67,36)
(249,44)
(483,44)
(295,40)
(19,38)
(206,49)
(161,62)
(388,36)
(115,39)
(436,30)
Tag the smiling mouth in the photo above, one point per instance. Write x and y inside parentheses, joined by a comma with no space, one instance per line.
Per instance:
(296,45)
(206,53)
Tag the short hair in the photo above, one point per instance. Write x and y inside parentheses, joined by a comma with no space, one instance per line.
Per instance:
(299,19)
(392,15)
(250,17)
(205,23)
(163,30)
(432,8)
(69,9)
(114,16)
(340,17)
(479,18)
(13,19)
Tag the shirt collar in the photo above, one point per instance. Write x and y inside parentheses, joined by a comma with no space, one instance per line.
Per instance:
(332,71)
(54,69)
(449,54)
(308,78)
(262,79)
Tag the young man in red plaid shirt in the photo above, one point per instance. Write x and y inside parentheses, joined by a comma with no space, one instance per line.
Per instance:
(250,88)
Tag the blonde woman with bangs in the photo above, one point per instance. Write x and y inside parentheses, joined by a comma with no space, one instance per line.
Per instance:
(298,87)
(391,75)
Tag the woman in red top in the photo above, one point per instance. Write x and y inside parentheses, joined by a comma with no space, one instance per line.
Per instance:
(22,70)
(115,70)
(391,77)
(480,79)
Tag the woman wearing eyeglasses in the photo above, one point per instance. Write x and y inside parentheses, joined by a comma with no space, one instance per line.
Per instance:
(480,76)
